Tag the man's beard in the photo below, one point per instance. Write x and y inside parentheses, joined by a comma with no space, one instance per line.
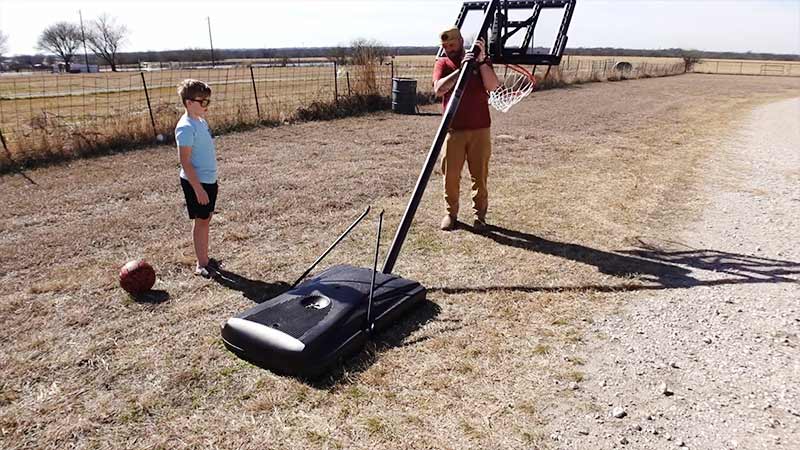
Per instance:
(456,56)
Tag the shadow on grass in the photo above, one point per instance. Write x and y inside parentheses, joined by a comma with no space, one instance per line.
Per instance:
(393,337)
(654,268)
(255,290)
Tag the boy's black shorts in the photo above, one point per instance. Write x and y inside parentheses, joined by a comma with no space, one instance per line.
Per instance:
(196,210)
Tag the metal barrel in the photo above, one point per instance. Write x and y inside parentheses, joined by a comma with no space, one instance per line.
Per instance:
(404,95)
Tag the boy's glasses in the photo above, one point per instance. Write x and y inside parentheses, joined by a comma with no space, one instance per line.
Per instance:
(203,101)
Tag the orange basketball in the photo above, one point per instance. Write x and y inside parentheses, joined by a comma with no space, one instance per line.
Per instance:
(137,276)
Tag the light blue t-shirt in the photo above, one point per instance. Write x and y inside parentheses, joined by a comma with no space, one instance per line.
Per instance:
(194,133)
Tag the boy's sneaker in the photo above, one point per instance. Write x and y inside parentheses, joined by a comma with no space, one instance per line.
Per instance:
(202,272)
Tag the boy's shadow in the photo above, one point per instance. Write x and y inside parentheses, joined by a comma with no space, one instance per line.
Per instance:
(255,290)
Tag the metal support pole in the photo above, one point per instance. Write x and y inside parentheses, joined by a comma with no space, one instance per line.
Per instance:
(335,83)
(149,108)
(369,325)
(436,147)
(335,243)
(255,92)
(210,42)
(83,37)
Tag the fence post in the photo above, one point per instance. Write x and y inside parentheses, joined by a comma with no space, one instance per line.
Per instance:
(5,147)
(348,84)
(255,93)
(149,108)
(335,83)
(391,80)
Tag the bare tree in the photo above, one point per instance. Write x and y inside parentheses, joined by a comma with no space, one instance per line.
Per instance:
(105,38)
(62,39)
(367,51)
(689,61)
(3,43)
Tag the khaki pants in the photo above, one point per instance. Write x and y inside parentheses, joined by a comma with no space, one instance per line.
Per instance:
(474,147)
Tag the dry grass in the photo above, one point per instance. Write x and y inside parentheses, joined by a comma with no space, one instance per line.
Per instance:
(477,366)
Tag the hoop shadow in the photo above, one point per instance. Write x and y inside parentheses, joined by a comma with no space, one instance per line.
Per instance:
(255,290)
(392,337)
(746,268)
(662,269)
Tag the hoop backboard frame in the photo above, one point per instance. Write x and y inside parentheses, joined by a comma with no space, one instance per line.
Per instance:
(503,28)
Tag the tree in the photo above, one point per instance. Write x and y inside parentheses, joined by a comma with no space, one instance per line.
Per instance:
(337,55)
(62,39)
(105,39)
(3,43)
(367,51)
(689,60)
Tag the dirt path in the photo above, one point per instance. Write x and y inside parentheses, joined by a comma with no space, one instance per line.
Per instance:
(715,365)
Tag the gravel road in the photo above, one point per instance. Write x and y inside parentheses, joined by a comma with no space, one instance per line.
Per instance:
(712,362)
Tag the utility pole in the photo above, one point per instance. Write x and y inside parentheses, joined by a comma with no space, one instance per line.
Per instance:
(210,41)
(83,35)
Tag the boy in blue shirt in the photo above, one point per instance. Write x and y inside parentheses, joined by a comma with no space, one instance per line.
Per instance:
(198,167)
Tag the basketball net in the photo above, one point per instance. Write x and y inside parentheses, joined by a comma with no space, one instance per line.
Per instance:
(516,85)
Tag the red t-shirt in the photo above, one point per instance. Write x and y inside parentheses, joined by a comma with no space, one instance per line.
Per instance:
(473,111)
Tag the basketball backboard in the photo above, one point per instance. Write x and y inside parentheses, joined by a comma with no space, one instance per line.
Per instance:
(530,32)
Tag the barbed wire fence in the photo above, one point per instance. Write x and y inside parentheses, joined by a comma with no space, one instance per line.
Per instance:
(47,117)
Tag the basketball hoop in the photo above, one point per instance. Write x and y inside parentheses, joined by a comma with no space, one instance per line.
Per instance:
(516,85)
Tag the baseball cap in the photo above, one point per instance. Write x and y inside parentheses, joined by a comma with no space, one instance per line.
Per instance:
(450,34)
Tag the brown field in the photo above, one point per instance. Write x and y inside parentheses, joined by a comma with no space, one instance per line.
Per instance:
(578,176)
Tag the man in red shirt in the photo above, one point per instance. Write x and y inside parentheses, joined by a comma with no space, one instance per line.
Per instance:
(468,137)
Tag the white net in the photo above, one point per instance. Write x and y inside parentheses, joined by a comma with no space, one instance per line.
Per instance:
(515,87)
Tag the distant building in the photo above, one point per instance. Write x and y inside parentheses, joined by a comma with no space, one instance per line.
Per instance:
(75,68)
(158,65)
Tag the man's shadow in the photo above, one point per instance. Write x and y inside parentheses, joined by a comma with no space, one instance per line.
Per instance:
(653,268)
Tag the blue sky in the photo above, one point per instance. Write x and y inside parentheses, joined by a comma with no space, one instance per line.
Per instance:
(771,26)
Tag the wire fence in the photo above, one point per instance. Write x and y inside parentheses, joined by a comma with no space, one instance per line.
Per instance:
(45,117)
(733,67)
